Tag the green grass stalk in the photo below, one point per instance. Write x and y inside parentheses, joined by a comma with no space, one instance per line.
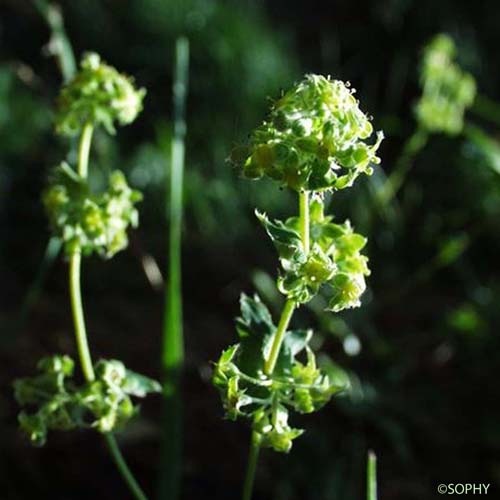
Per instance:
(61,49)
(486,109)
(173,338)
(59,44)
(404,164)
(371,476)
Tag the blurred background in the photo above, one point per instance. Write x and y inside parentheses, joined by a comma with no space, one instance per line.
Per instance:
(421,353)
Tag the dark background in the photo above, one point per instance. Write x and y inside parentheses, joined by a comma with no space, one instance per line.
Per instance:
(425,382)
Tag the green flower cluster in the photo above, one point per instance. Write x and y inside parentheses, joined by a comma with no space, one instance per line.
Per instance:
(247,391)
(447,90)
(55,402)
(334,259)
(90,222)
(98,94)
(314,139)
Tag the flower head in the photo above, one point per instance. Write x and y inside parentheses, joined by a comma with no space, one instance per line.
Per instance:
(447,90)
(313,139)
(98,94)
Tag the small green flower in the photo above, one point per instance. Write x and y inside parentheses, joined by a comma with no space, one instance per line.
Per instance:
(247,392)
(98,94)
(52,401)
(447,90)
(274,429)
(334,260)
(91,222)
(314,139)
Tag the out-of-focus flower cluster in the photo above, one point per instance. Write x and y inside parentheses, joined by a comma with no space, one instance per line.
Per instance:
(99,95)
(52,400)
(90,222)
(447,90)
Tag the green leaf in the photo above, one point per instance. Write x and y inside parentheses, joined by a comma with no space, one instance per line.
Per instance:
(254,326)
(295,341)
(286,240)
(139,385)
(55,402)
(488,147)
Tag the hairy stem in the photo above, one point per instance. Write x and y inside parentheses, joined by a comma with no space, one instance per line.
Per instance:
(79,322)
(253,457)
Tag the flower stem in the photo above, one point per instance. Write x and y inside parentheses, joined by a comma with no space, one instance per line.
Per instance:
(290,305)
(253,457)
(278,337)
(304,220)
(84,150)
(123,467)
(75,267)
(79,321)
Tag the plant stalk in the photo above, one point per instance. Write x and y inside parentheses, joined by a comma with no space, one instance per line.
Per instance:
(304,220)
(60,48)
(279,335)
(487,109)
(78,318)
(371,476)
(79,322)
(59,45)
(411,148)
(253,457)
(126,473)
(173,339)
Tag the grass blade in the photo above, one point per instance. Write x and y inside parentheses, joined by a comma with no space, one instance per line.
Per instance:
(173,341)
(371,476)
(59,45)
